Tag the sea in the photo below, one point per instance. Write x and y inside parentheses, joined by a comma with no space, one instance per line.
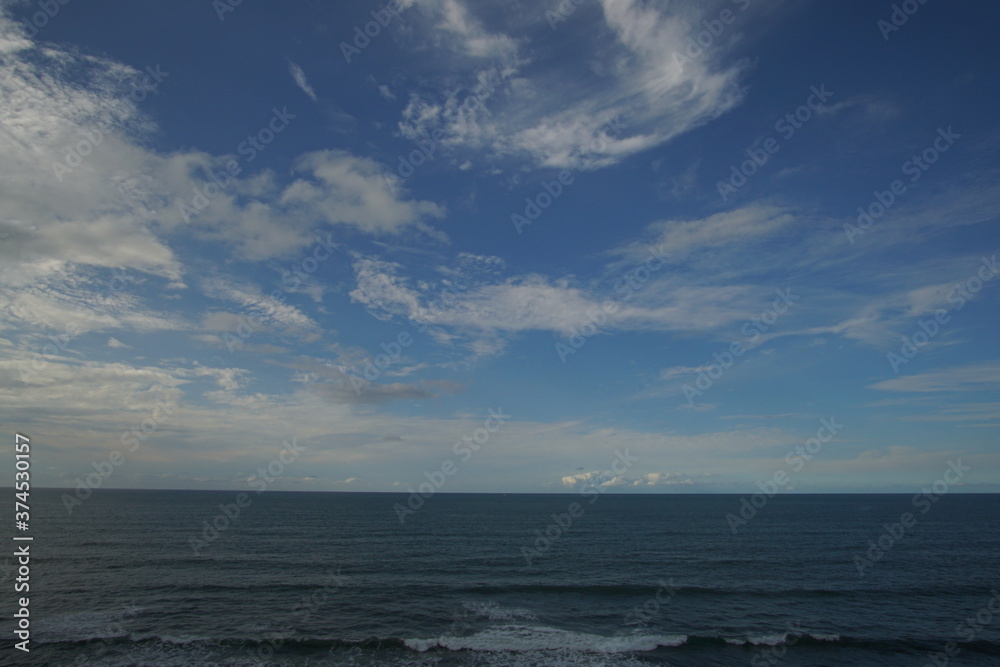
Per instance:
(217,578)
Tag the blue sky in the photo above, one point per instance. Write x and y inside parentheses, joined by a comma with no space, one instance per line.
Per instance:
(695,230)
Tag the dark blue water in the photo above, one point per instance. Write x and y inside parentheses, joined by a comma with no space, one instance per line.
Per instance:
(335,579)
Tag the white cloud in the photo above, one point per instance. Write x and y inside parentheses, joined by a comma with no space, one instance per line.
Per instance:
(544,113)
(265,308)
(457,30)
(300,80)
(875,110)
(117,206)
(977,377)
(981,413)
(67,152)
(739,227)
(679,371)
(82,408)
(486,309)
(352,190)
(79,300)
(601,479)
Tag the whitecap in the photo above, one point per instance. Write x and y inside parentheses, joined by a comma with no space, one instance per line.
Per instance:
(525,638)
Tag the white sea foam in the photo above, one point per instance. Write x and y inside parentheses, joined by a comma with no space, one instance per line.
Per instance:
(565,658)
(778,638)
(529,638)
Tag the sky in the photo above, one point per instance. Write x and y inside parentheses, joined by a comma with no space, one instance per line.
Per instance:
(499,246)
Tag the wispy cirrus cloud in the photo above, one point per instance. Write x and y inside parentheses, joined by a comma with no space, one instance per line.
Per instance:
(531,106)
(266,307)
(535,302)
(973,377)
(300,80)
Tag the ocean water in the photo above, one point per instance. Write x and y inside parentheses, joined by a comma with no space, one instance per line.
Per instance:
(336,579)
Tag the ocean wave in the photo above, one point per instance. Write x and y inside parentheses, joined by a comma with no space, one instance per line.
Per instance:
(531,638)
(513,639)
(778,638)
